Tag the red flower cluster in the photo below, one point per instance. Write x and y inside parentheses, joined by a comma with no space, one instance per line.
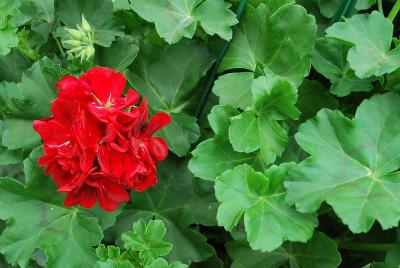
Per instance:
(97,143)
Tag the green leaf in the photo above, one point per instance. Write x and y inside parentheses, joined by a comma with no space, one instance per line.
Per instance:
(273,99)
(120,55)
(371,37)
(19,134)
(219,119)
(328,7)
(161,263)
(175,19)
(147,238)
(169,80)
(12,65)
(45,9)
(181,133)
(8,39)
(312,98)
(329,59)
(319,252)
(243,133)
(213,156)
(179,201)
(267,40)
(99,14)
(268,220)
(353,164)
(21,103)
(38,219)
(234,89)
(364,4)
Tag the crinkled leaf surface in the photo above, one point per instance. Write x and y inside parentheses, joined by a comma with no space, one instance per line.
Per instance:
(99,15)
(175,19)
(371,35)
(168,81)
(213,156)
(268,220)
(273,99)
(147,239)
(8,39)
(267,40)
(353,164)
(38,219)
(179,201)
(329,58)
(319,252)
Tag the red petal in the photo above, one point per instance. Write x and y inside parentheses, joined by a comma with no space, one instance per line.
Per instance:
(71,89)
(88,198)
(157,122)
(104,83)
(72,199)
(131,98)
(142,117)
(158,148)
(111,196)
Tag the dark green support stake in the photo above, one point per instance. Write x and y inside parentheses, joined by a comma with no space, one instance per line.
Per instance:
(344,9)
(210,82)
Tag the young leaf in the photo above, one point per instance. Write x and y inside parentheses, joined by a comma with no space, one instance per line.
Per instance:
(329,58)
(147,239)
(319,252)
(175,19)
(266,40)
(268,220)
(371,37)
(273,99)
(213,156)
(353,164)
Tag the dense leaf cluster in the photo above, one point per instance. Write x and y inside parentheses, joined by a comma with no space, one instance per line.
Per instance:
(293,162)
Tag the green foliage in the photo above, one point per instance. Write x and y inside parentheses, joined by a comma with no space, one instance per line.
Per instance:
(38,220)
(294,161)
(371,37)
(175,19)
(364,150)
(260,197)
(144,246)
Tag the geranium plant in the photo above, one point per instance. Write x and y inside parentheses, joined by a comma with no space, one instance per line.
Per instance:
(200,133)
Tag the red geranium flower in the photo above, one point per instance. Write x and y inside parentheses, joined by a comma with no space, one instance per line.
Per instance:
(97,144)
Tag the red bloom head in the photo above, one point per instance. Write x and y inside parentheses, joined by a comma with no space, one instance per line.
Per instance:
(97,143)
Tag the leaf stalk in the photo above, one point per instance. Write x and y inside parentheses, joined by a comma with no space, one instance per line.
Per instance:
(394,11)
(210,82)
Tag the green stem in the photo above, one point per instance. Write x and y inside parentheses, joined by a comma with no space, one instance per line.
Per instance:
(394,11)
(210,82)
(380,7)
(374,247)
(344,9)
(58,45)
